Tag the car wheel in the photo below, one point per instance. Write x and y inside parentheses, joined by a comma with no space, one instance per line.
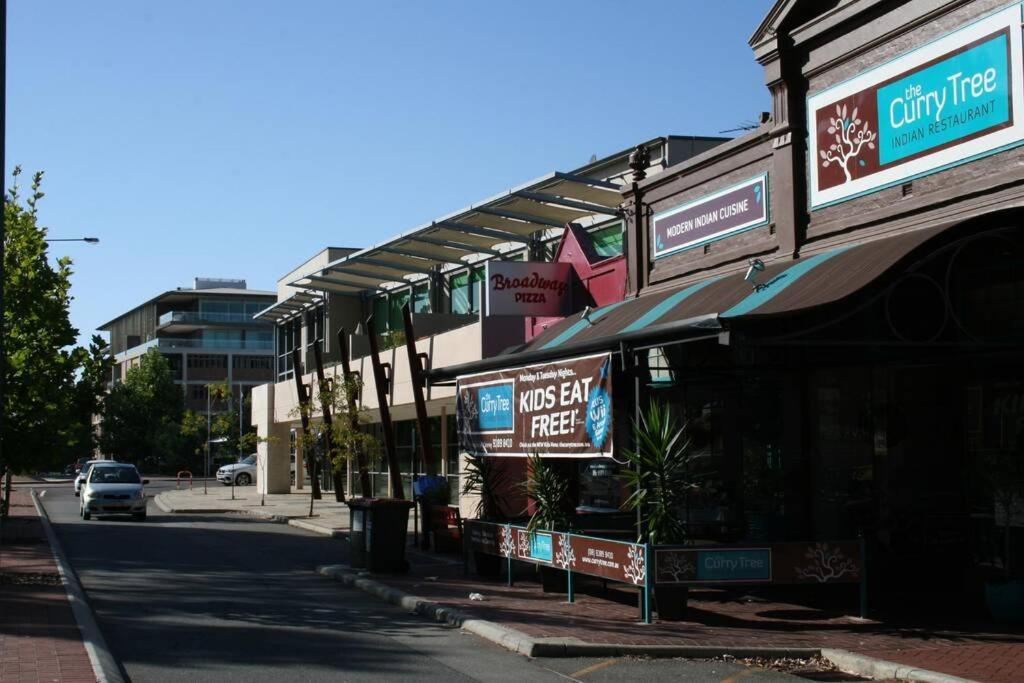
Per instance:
(86,515)
(243,479)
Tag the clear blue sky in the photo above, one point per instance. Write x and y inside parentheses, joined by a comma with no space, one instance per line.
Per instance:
(233,138)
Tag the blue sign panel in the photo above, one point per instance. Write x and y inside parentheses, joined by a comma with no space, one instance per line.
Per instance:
(495,405)
(753,564)
(540,547)
(967,93)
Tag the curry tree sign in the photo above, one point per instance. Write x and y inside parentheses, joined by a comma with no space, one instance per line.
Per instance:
(560,409)
(942,104)
(528,288)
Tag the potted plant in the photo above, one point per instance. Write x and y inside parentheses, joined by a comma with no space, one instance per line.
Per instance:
(549,491)
(660,478)
(1005,472)
(485,480)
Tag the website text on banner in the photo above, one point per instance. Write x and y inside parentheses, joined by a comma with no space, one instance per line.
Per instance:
(561,409)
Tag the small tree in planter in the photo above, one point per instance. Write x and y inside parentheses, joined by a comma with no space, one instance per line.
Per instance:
(483,478)
(661,477)
(1005,472)
(549,491)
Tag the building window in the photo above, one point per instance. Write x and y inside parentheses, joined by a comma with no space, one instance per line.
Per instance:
(421,298)
(288,336)
(465,291)
(607,240)
(207,360)
(387,311)
(251,362)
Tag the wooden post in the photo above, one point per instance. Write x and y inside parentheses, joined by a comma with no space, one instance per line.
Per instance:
(381,381)
(325,408)
(304,414)
(347,374)
(416,362)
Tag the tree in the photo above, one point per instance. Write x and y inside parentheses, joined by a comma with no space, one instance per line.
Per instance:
(225,423)
(41,362)
(95,364)
(142,416)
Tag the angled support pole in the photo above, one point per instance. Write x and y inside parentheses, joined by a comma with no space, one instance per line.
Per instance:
(418,386)
(381,383)
(346,369)
(300,388)
(325,408)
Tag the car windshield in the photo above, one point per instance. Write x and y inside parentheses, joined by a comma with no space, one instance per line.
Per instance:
(250,460)
(114,475)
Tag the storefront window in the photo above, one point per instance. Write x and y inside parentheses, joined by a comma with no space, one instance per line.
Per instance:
(465,291)
(607,241)
(421,298)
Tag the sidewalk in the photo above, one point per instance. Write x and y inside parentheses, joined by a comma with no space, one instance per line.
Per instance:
(717,620)
(39,637)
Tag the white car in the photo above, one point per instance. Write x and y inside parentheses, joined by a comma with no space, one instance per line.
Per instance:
(83,473)
(242,472)
(113,489)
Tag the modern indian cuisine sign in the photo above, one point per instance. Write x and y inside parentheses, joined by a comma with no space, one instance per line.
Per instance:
(816,563)
(712,217)
(561,409)
(946,103)
(528,288)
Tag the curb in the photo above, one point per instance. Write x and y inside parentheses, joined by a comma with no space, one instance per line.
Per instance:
(873,668)
(104,665)
(298,522)
(521,643)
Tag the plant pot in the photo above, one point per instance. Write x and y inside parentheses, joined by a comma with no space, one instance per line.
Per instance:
(670,602)
(554,580)
(487,566)
(1005,601)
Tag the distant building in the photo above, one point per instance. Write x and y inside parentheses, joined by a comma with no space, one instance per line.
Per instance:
(207,332)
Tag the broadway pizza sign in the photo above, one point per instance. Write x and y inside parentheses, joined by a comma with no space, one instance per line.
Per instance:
(943,104)
(559,409)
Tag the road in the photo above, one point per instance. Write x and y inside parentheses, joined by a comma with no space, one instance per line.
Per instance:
(222,598)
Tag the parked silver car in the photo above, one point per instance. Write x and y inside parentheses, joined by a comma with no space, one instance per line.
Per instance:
(113,489)
(242,472)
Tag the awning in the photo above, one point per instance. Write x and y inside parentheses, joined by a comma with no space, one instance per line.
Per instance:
(287,308)
(502,224)
(710,305)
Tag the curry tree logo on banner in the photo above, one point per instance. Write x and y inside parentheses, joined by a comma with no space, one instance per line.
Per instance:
(944,103)
(851,134)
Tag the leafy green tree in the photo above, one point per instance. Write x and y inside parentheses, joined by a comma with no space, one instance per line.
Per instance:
(80,438)
(41,363)
(142,415)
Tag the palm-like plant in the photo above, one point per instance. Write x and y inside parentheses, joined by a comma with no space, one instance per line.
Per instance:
(662,475)
(549,491)
(483,478)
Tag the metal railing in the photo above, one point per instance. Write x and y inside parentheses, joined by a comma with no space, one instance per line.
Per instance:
(203,317)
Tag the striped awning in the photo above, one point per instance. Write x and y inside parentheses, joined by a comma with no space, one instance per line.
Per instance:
(713,304)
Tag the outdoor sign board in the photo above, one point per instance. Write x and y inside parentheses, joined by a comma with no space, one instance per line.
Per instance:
(528,288)
(604,558)
(945,103)
(736,208)
(838,562)
(562,408)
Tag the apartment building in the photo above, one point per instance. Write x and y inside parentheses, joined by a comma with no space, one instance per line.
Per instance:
(206,332)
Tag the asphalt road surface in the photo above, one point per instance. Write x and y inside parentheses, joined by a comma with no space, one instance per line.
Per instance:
(226,598)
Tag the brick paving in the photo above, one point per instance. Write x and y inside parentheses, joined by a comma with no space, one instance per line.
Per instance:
(718,618)
(39,638)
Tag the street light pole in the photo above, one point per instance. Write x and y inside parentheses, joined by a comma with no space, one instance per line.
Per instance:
(206,467)
(88,240)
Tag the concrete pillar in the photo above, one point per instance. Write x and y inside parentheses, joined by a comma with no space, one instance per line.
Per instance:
(272,472)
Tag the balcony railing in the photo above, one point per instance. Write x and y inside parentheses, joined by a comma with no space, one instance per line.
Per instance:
(203,317)
(250,344)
